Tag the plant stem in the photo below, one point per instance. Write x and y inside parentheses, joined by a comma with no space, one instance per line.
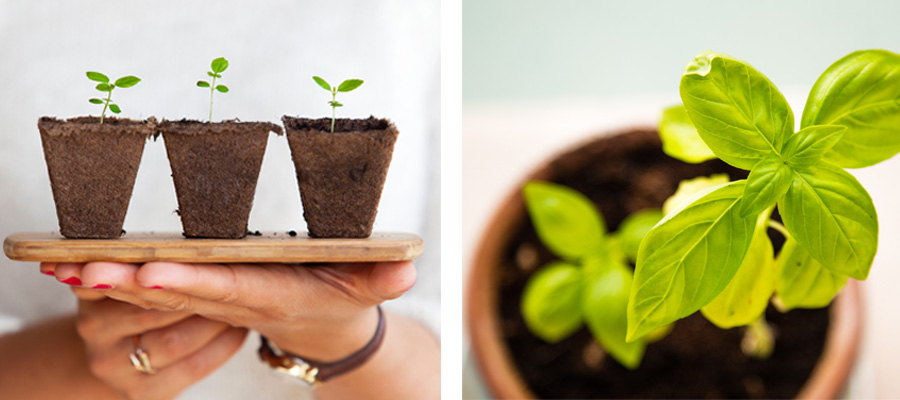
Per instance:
(212,88)
(333,107)
(106,104)
(780,228)
(758,341)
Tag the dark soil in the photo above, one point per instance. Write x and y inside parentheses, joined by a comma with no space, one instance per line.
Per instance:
(215,167)
(340,174)
(622,175)
(92,170)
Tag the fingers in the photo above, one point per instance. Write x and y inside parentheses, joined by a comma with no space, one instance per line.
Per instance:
(48,268)
(177,341)
(389,280)
(108,321)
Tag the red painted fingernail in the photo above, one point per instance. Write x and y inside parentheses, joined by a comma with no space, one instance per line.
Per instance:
(102,286)
(49,272)
(72,280)
(156,287)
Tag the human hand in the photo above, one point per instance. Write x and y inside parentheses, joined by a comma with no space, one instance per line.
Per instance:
(183,348)
(323,311)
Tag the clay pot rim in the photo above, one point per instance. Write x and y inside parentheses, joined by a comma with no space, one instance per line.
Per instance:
(491,355)
(305,124)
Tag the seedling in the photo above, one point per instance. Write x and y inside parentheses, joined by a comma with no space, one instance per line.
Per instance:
(105,86)
(345,86)
(712,253)
(217,66)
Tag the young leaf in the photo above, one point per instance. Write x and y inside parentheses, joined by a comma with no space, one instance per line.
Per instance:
(98,77)
(688,258)
(349,85)
(738,112)
(335,104)
(633,229)
(566,221)
(222,88)
(806,147)
(689,187)
(115,108)
(862,92)
(219,65)
(127,81)
(213,75)
(104,87)
(832,216)
(768,181)
(96,101)
(680,139)
(551,301)
(747,295)
(203,84)
(321,82)
(604,307)
(802,282)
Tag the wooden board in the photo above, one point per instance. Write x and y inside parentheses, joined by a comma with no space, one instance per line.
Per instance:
(269,247)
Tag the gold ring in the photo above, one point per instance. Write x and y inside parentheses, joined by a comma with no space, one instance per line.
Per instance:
(140,359)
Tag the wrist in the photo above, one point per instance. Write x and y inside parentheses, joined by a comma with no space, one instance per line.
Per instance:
(328,340)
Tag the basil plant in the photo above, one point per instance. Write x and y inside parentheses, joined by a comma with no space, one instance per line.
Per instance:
(711,252)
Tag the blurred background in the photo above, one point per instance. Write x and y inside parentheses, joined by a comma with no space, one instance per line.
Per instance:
(274,48)
(539,76)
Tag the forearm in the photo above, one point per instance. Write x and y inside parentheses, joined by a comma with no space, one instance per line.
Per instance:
(48,361)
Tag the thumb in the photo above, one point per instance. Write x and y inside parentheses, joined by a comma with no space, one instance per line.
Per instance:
(389,280)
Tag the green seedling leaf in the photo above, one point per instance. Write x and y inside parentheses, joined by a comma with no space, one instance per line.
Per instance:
(114,108)
(633,229)
(832,217)
(802,282)
(551,301)
(768,181)
(680,139)
(689,187)
(213,75)
(604,306)
(349,85)
(745,298)
(104,87)
(862,92)
(96,101)
(806,147)
(203,84)
(219,65)
(127,81)
(222,88)
(566,221)
(97,77)
(688,258)
(738,112)
(321,82)
(335,104)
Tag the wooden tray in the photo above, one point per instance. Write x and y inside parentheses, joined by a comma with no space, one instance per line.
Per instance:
(268,247)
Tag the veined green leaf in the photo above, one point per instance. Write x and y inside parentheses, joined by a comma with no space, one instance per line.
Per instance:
(104,87)
(689,187)
(115,108)
(349,85)
(832,216)
(222,88)
(633,229)
(802,282)
(127,81)
(680,139)
(213,75)
(604,307)
(321,82)
(688,258)
(567,222)
(219,65)
(96,101)
(862,92)
(768,181)
(747,295)
(551,301)
(97,77)
(203,84)
(738,112)
(806,147)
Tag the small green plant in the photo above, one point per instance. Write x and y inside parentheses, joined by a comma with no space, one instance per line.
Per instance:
(712,253)
(105,86)
(216,67)
(345,86)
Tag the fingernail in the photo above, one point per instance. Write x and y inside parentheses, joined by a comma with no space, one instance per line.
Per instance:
(156,287)
(102,286)
(72,280)
(49,272)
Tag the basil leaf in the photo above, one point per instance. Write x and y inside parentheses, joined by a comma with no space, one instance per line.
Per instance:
(321,82)
(689,187)
(127,81)
(219,65)
(832,216)
(802,282)
(97,77)
(551,302)
(567,222)
(203,84)
(747,295)
(633,229)
(768,181)
(349,85)
(688,258)
(604,306)
(862,92)
(680,139)
(738,112)
(806,147)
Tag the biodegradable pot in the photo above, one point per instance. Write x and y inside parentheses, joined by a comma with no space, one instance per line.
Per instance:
(215,167)
(340,174)
(491,295)
(92,169)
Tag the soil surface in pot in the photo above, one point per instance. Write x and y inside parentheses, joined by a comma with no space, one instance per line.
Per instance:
(623,175)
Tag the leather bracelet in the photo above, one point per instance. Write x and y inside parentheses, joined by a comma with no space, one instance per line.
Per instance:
(311,371)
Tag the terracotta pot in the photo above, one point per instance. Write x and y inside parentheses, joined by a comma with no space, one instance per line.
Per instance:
(340,174)
(496,367)
(215,167)
(92,170)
